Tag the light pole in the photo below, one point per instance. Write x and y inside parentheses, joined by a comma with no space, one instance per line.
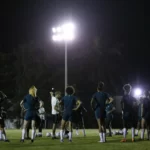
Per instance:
(64,33)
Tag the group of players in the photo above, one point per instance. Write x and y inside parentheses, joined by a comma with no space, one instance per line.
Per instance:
(132,112)
(102,105)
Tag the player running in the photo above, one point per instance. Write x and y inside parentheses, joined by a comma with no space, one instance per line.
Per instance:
(100,98)
(71,103)
(30,101)
(128,109)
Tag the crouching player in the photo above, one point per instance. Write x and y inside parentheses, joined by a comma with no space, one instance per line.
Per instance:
(30,101)
(128,104)
(71,103)
(100,99)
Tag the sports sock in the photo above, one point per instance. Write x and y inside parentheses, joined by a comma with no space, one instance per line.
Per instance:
(142,133)
(70,135)
(101,136)
(33,134)
(104,137)
(133,132)
(124,133)
(23,133)
(61,134)
(0,135)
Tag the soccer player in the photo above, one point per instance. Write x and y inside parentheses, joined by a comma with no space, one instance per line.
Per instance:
(71,103)
(55,110)
(100,100)
(109,116)
(30,101)
(2,118)
(145,114)
(22,115)
(78,119)
(128,104)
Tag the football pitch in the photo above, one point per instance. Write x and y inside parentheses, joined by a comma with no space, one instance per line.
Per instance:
(90,142)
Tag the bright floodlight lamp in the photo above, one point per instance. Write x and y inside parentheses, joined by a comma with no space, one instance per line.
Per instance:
(65,33)
(137,92)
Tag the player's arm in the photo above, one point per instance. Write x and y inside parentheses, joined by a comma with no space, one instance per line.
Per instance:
(57,107)
(92,103)
(21,104)
(78,104)
(122,104)
(113,109)
(41,103)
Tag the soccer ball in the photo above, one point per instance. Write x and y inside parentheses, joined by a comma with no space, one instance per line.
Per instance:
(114,132)
(58,134)
(48,134)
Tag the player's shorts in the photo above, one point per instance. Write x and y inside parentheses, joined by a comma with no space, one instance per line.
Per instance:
(77,117)
(2,123)
(67,116)
(129,118)
(147,116)
(55,118)
(139,118)
(109,118)
(100,113)
(30,115)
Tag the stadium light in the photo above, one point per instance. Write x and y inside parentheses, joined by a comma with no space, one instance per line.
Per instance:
(137,92)
(64,33)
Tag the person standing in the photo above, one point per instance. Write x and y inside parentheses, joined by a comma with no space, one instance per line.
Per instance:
(100,99)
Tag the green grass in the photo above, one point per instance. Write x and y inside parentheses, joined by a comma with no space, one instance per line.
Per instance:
(79,143)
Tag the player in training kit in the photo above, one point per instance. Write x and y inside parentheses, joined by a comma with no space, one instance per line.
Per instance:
(145,114)
(100,100)
(3,98)
(71,103)
(109,116)
(129,113)
(30,101)
(55,111)
(78,119)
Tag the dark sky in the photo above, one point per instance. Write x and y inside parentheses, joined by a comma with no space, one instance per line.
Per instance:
(115,20)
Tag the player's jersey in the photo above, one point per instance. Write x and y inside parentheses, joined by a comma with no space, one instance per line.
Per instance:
(146,105)
(30,102)
(69,102)
(128,103)
(109,107)
(100,99)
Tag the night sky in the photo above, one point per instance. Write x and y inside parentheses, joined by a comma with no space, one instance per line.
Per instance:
(123,21)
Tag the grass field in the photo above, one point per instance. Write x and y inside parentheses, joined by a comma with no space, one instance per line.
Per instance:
(90,142)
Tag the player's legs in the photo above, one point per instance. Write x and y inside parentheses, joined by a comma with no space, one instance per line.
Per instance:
(55,118)
(33,130)
(100,130)
(70,131)
(138,127)
(124,130)
(142,128)
(102,122)
(62,129)
(25,123)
